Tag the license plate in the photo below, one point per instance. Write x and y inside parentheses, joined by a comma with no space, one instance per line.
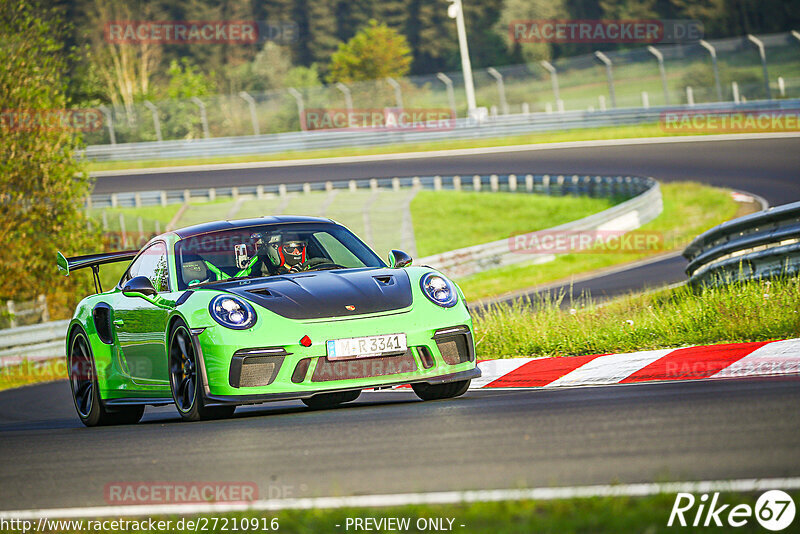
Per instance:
(365,347)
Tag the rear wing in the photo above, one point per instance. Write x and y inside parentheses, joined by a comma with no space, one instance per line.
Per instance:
(67,265)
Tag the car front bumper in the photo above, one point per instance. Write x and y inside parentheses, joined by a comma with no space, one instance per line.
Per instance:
(426,361)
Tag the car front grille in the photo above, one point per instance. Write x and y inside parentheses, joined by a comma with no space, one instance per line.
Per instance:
(327,371)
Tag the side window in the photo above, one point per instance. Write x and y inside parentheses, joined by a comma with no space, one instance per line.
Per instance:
(151,263)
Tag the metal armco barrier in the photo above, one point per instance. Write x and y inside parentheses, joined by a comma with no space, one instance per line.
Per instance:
(500,126)
(35,342)
(759,245)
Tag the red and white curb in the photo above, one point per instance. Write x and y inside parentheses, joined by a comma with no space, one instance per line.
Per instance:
(767,358)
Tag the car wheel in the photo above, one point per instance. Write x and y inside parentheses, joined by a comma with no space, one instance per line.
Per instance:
(441,391)
(184,378)
(329,400)
(85,391)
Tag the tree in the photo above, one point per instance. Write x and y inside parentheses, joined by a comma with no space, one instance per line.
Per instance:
(375,52)
(522,10)
(42,187)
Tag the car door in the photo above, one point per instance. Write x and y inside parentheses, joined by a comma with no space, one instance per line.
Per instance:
(140,325)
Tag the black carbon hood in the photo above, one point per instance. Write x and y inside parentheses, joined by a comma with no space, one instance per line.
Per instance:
(335,293)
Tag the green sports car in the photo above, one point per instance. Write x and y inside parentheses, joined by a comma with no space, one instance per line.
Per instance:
(243,312)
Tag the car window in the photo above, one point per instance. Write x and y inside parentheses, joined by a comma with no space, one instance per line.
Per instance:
(268,250)
(152,263)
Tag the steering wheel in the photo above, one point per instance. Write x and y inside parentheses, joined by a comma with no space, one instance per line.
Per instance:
(315,263)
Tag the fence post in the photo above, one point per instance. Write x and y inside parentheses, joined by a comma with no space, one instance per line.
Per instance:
(763,55)
(554,80)
(252,105)
(122,232)
(512,182)
(163,198)
(735,89)
(203,116)
(660,57)
(301,108)
(437,183)
(306,188)
(456,183)
(398,94)
(110,124)
(493,181)
(42,300)
(713,53)
(645,100)
(137,200)
(12,321)
(501,88)
(348,98)
(451,97)
(156,122)
(476,182)
(689,95)
(609,74)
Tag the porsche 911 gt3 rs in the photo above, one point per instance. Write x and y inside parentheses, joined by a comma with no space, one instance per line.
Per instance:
(243,312)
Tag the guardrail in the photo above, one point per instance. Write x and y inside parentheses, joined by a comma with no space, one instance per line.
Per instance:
(33,343)
(759,245)
(624,217)
(499,126)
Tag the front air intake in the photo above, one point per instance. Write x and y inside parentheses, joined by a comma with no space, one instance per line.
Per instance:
(455,345)
(255,367)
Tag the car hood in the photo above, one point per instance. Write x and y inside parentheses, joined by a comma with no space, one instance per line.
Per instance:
(335,293)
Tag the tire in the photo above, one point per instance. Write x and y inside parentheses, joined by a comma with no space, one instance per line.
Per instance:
(330,400)
(449,390)
(85,391)
(184,378)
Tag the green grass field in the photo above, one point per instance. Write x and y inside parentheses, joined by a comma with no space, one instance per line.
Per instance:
(741,312)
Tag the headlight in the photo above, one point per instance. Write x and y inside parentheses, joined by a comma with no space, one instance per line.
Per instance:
(439,290)
(232,312)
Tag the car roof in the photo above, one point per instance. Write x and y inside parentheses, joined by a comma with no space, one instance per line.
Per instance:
(204,228)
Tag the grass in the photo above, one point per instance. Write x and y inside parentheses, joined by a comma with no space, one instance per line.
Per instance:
(25,373)
(740,312)
(563,516)
(689,209)
(448,220)
(589,134)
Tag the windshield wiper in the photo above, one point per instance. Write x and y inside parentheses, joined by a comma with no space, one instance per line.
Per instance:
(232,279)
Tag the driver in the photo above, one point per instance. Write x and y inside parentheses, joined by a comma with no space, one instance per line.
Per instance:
(291,255)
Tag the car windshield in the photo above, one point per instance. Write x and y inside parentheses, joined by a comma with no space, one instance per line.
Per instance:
(269,250)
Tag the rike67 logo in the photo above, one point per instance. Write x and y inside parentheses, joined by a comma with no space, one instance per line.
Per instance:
(774,510)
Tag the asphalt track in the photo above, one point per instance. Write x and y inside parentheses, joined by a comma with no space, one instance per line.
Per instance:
(767,167)
(390,442)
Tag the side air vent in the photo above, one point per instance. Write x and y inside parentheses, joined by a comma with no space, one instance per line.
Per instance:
(387,280)
(101,315)
(260,291)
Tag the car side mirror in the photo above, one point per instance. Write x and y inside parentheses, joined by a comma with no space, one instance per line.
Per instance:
(399,259)
(139,286)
